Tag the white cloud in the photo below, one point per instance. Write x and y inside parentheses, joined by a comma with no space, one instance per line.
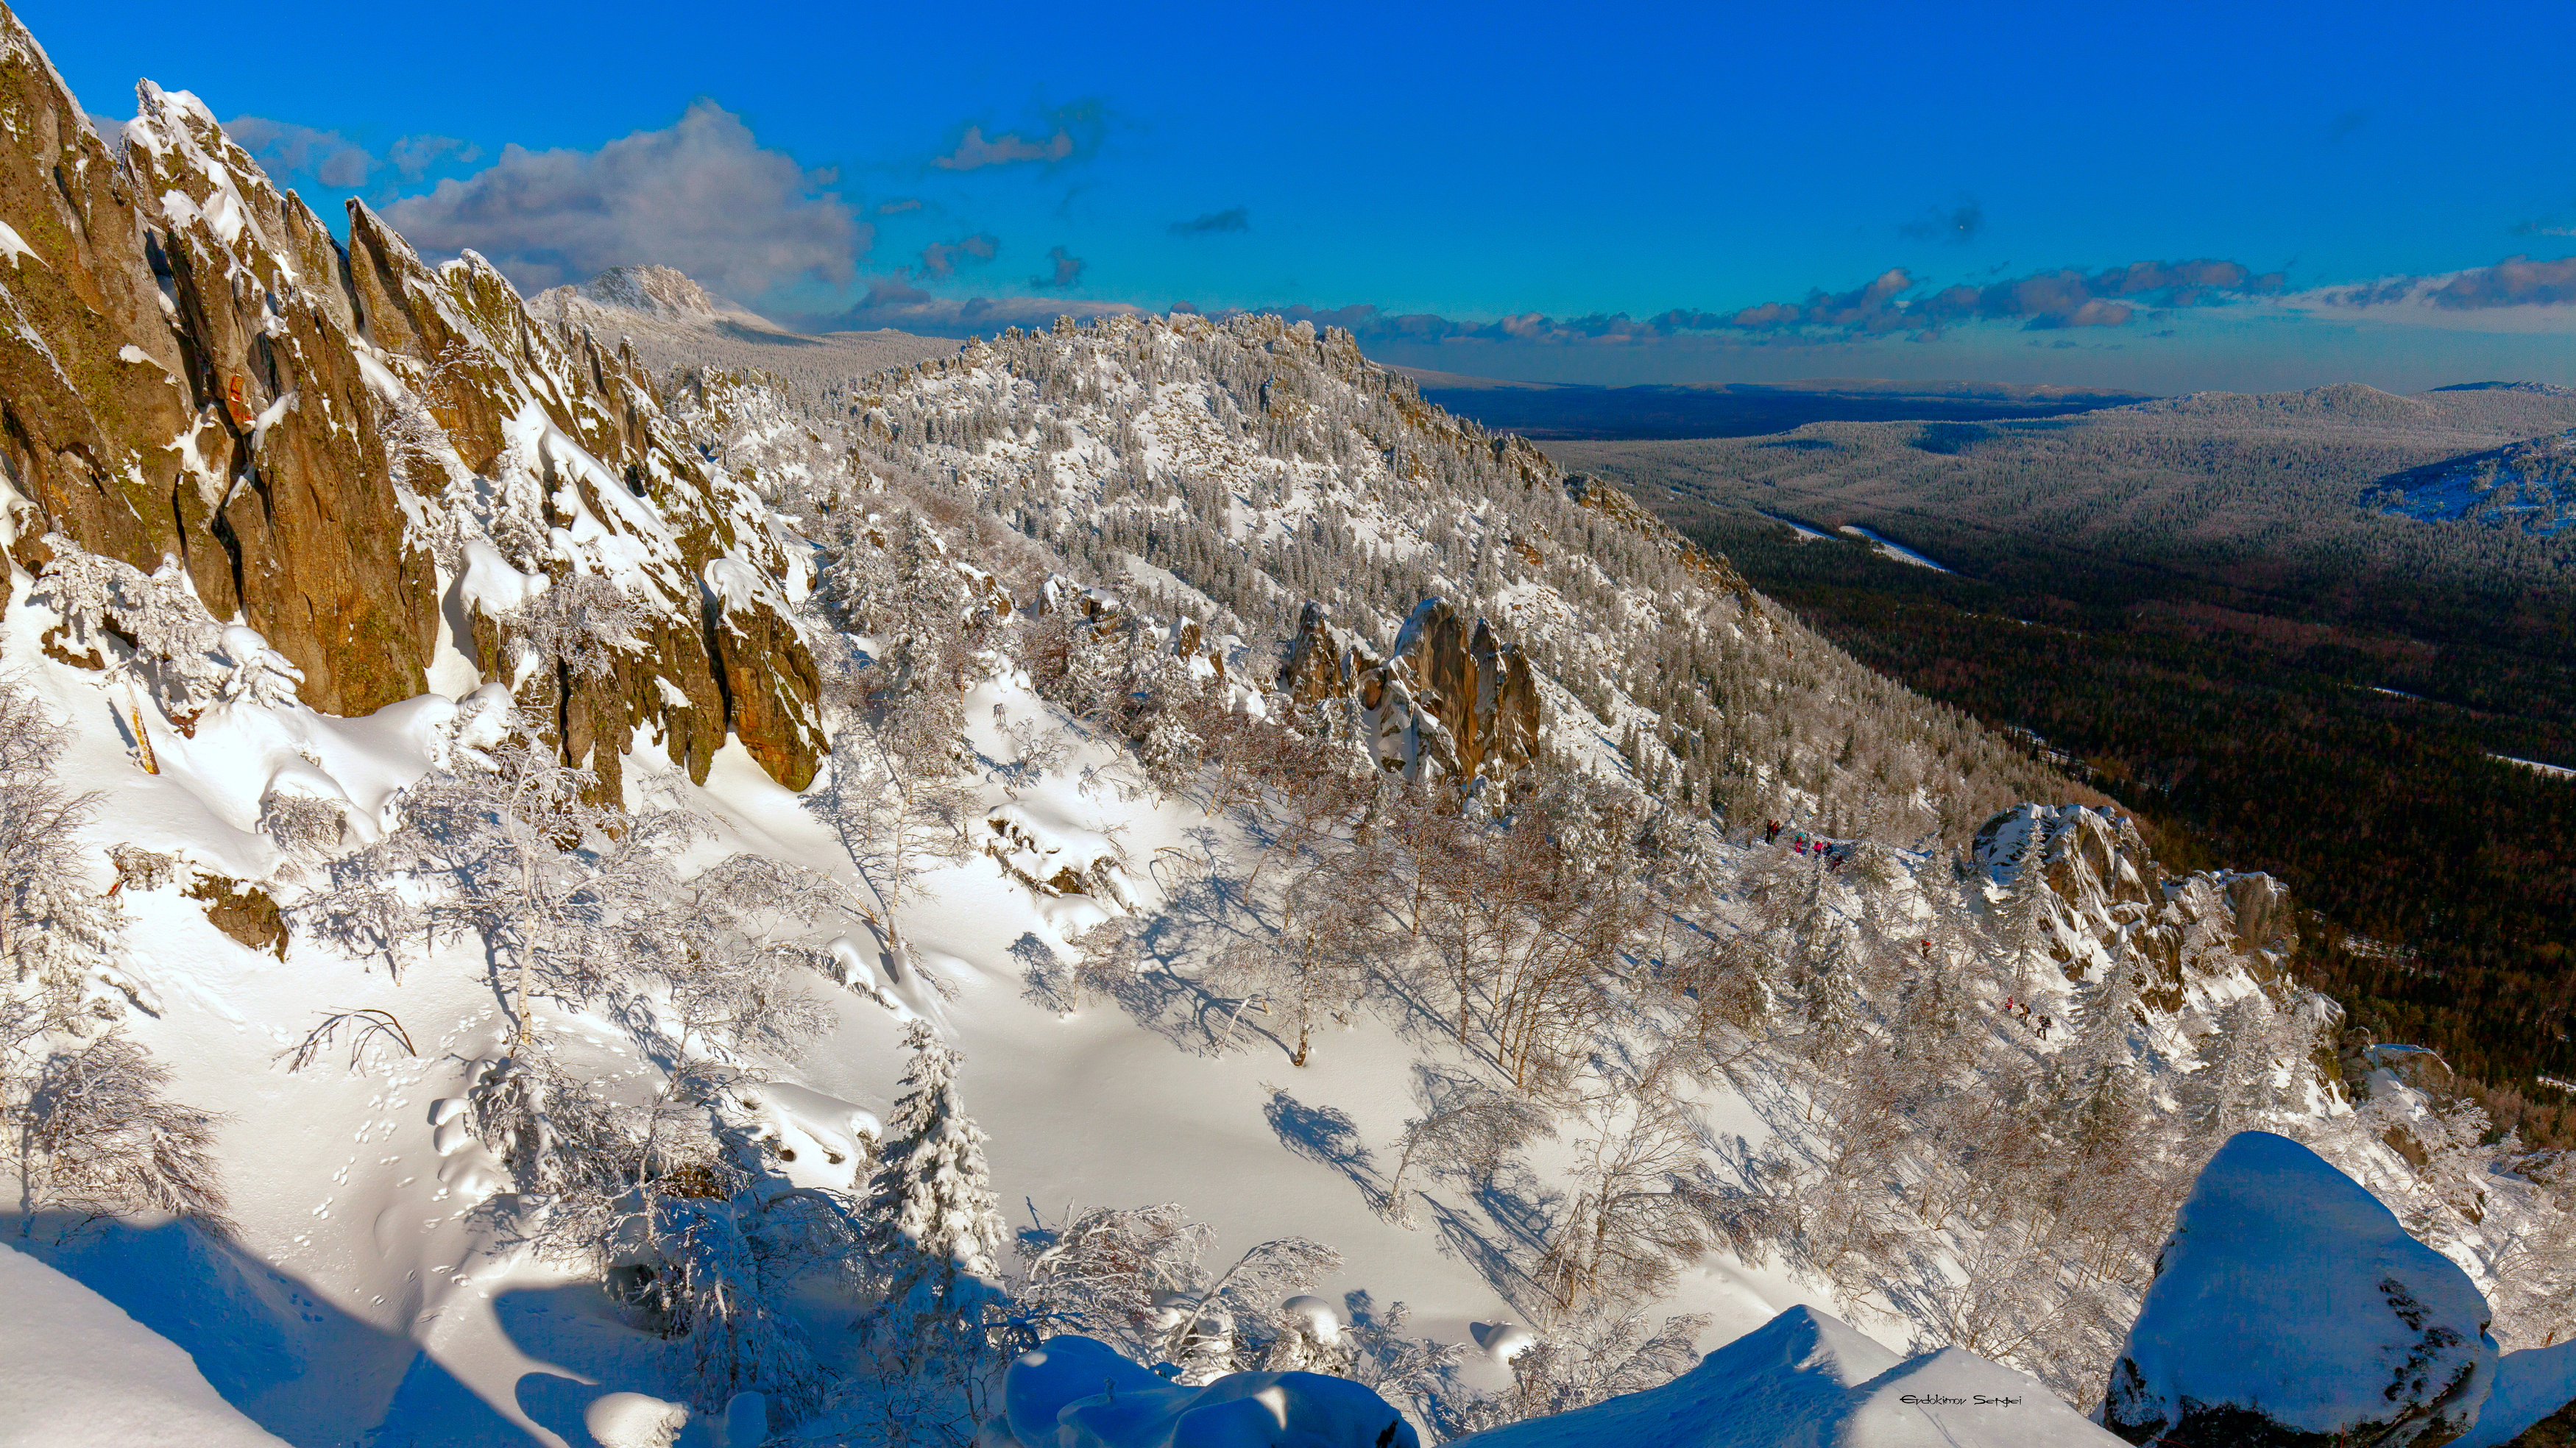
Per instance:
(700,195)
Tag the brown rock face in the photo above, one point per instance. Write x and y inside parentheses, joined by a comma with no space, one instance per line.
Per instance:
(197,370)
(307,538)
(91,389)
(1478,687)
(615,477)
(1454,694)
(182,386)
(1318,665)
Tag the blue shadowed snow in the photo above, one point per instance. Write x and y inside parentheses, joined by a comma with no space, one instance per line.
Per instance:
(2523,487)
(2530,1385)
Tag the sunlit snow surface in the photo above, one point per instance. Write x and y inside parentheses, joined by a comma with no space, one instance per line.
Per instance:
(364,1301)
(362,1297)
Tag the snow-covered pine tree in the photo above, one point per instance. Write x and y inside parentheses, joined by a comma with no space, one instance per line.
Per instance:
(931,1220)
(2233,1089)
(1827,974)
(2023,927)
(2101,1095)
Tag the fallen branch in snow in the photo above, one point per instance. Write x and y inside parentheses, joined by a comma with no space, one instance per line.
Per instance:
(366,1028)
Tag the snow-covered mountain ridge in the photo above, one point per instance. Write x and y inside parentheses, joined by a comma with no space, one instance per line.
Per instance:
(672,322)
(529,907)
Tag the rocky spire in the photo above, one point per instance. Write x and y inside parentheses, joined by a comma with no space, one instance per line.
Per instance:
(196,370)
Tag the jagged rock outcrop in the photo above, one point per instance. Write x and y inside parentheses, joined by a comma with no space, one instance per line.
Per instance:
(2107,894)
(1318,663)
(617,492)
(1479,687)
(180,383)
(325,439)
(2291,1310)
(1452,697)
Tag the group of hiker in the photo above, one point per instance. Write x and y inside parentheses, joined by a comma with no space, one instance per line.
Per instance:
(1801,843)
(2017,1009)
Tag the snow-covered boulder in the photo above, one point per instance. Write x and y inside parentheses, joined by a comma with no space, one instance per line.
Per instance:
(634,1420)
(75,1371)
(2529,1386)
(1059,1372)
(1075,1392)
(1807,1380)
(2289,1307)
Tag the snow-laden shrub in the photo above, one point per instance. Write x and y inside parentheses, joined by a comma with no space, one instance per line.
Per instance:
(1134,1277)
(89,1133)
(304,827)
(153,629)
(1598,1354)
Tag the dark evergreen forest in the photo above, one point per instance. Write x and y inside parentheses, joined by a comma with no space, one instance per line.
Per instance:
(2339,730)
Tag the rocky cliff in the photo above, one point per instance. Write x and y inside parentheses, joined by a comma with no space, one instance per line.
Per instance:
(2104,894)
(345,447)
(1452,698)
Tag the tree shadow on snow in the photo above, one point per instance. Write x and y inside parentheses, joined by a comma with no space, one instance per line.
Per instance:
(1196,924)
(1492,1258)
(1325,1135)
(579,1331)
(1514,1200)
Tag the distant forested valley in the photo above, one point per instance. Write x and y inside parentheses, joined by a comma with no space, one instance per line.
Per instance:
(2201,616)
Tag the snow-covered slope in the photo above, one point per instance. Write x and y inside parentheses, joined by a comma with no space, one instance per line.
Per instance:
(534,1000)
(76,1372)
(1805,1378)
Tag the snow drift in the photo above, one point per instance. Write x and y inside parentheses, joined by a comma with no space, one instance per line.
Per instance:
(1807,1380)
(76,1371)
(2529,1386)
(1076,1392)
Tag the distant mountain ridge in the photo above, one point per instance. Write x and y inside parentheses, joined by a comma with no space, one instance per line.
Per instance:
(652,290)
(674,323)
(1548,410)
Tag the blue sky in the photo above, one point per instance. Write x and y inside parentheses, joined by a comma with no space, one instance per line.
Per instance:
(2159,197)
